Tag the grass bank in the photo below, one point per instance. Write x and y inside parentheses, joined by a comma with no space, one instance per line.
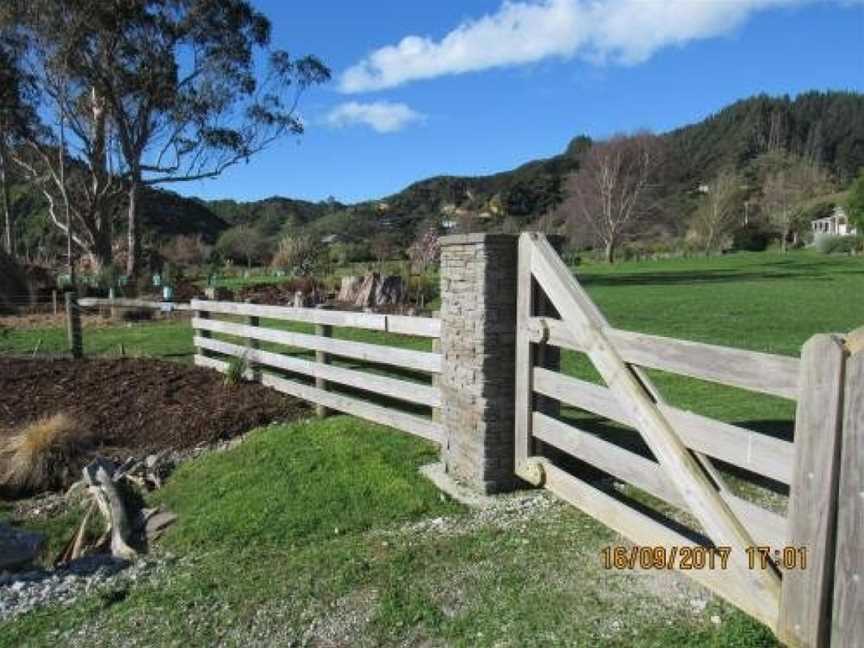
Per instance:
(323,533)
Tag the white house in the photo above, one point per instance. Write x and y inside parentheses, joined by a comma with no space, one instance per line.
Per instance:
(837,224)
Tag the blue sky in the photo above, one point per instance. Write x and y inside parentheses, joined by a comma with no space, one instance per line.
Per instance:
(488,86)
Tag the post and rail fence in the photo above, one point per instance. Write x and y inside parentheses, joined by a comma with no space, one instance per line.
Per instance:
(281,367)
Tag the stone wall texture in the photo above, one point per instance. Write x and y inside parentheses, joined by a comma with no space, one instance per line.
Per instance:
(478,345)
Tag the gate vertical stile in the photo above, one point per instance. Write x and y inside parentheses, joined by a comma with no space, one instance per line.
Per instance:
(524,362)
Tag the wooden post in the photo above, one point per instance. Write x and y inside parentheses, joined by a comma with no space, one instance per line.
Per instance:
(54,300)
(805,599)
(73,325)
(204,333)
(847,627)
(252,344)
(436,378)
(524,356)
(324,330)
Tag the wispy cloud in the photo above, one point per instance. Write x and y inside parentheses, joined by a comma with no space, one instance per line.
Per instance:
(601,31)
(381,116)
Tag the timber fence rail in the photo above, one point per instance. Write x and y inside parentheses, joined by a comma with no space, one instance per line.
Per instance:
(120,302)
(313,380)
(795,601)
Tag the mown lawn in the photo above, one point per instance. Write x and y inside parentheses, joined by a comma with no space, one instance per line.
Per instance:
(307,522)
(313,534)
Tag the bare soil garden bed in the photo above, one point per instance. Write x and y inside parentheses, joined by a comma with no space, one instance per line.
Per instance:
(134,405)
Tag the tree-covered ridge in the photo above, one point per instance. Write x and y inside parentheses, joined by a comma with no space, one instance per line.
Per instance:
(827,127)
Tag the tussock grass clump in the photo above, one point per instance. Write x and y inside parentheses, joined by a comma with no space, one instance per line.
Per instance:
(42,455)
(236,372)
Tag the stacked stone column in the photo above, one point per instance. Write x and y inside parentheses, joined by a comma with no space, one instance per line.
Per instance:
(478,345)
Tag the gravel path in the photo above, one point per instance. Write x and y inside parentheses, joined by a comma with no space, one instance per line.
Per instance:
(25,591)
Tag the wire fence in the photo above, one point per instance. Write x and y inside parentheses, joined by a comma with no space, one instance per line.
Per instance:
(97,327)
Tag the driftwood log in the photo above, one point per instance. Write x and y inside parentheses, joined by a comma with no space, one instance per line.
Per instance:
(104,481)
(99,476)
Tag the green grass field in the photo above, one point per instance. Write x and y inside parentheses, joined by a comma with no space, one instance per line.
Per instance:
(308,533)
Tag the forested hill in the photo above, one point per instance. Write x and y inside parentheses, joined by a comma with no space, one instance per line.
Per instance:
(828,126)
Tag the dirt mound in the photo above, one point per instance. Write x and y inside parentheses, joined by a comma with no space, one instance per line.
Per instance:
(137,406)
(282,294)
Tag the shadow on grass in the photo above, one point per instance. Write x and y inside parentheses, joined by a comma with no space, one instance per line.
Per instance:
(706,277)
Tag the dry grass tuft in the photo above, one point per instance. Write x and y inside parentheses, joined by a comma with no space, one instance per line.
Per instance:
(43,455)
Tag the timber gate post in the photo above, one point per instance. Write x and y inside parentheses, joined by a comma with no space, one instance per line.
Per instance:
(805,601)
(847,626)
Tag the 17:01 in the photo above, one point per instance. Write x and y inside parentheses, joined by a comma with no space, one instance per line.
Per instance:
(785,558)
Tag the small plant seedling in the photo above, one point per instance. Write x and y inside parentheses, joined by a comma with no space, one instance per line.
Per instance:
(236,371)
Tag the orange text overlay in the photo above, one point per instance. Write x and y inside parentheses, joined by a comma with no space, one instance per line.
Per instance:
(697,557)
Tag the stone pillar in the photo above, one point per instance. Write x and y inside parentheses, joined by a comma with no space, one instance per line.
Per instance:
(478,345)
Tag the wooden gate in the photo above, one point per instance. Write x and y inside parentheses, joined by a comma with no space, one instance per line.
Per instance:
(732,531)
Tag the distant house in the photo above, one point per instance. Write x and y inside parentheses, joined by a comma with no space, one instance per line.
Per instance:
(837,224)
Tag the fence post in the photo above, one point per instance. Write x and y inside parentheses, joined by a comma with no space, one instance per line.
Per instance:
(322,357)
(201,332)
(252,345)
(847,628)
(805,600)
(54,300)
(73,325)
(436,379)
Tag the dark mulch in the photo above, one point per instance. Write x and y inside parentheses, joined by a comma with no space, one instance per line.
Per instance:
(137,406)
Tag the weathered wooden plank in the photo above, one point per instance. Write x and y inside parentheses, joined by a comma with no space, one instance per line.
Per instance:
(760,372)
(419,326)
(643,530)
(752,370)
(756,452)
(415,425)
(805,616)
(767,527)
(372,321)
(90,302)
(418,360)
(847,628)
(391,387)
(524,353)
(703,500)
(403,324)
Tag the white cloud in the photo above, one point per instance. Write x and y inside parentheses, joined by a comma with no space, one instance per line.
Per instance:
(382,116)
(618,31)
